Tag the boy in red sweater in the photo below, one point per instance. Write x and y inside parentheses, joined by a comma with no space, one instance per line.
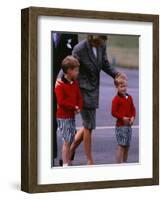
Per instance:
(69,103)
(124,110)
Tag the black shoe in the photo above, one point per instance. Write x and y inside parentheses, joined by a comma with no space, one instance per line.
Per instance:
(60,162)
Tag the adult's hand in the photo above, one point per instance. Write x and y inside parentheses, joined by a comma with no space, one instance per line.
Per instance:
(122,75)
(58,82)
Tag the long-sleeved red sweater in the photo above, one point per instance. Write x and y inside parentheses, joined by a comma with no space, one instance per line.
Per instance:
(68,96)
(123,106)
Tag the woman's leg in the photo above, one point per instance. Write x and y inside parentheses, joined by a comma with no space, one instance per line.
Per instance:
(78,139)
(87,139)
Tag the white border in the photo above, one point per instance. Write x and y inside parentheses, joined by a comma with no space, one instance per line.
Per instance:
(48,175)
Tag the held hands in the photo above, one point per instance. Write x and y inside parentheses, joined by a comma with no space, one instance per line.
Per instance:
(128,121)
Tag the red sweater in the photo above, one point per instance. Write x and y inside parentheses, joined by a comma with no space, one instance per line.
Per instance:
(123,106)
(68,96)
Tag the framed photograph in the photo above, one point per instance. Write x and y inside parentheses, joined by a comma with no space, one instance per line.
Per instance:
(89,99)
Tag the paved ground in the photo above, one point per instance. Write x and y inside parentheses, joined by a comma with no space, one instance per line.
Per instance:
(104,142)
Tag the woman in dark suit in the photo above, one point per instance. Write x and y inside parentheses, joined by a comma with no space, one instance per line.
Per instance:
(92,56)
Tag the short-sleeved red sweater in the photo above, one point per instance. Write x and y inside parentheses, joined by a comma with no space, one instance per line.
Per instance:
(123,106)
(68,96)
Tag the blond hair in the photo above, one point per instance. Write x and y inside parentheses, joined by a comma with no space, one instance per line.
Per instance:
(120,78)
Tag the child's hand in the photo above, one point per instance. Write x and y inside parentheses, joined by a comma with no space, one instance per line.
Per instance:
(77,109)
(126,120)
(132,120)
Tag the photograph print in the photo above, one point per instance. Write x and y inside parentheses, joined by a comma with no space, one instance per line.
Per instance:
(94,99)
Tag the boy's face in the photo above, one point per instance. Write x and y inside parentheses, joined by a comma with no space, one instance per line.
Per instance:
(122,88)
(73,73)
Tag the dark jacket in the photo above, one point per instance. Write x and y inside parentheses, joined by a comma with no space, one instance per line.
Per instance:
(90,67)
(61,50)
